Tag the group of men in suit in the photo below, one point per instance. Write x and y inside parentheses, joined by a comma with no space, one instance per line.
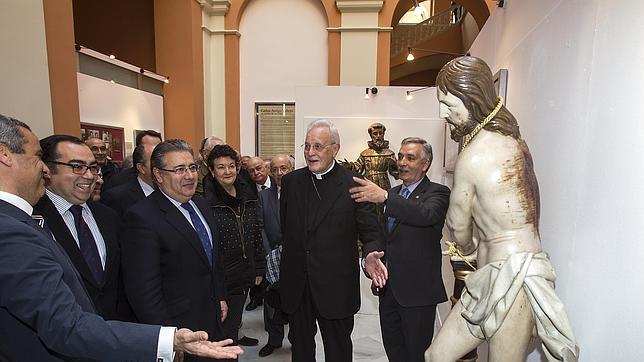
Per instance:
(50,292)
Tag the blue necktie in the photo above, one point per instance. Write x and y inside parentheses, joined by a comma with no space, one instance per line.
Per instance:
(87,244)
(201,231)
(390,221)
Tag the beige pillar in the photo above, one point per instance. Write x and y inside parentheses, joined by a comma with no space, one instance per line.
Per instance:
(25,92)
(359,41)
(213,12)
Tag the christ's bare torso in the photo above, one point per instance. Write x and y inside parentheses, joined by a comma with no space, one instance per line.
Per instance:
(494,206)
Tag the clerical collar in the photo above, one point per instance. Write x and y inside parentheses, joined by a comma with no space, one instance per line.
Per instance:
(319,176)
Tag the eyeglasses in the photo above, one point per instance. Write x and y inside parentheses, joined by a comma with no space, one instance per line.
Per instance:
(79,168)
(181,170)
(282,169)
(316,146)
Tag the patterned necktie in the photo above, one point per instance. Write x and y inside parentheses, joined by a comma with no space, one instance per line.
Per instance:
(201,231)
(87,244)
(390,221)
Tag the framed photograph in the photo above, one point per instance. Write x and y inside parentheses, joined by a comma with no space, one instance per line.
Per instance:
(501,84)
(114,138)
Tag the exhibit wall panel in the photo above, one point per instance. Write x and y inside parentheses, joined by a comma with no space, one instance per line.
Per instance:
(112,104)
(283,44)
(574,76)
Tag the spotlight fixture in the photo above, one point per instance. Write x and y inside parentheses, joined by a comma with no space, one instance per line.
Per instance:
(410,54)
(112,56)
(372,90)
(408,93)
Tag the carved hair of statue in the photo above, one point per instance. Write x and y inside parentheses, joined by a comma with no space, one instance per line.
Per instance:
(375,126)
(470,79)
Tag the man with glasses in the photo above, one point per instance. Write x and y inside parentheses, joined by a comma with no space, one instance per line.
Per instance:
(87,231)
(319,274)
(172,266)
(268,217)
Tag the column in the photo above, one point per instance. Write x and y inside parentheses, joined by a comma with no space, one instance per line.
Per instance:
(359,41)
(213,13)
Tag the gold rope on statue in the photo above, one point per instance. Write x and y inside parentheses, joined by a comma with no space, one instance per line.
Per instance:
(487,120)
(453,251)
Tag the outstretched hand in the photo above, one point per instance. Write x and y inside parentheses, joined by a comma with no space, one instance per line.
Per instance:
(196,343)
(376,269)
(367,191)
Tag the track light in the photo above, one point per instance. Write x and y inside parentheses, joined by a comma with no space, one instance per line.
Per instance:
(410,55)
(409,92)
(366,93)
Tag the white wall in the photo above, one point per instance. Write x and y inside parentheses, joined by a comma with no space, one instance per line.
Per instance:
(283,44)
(24,72)
(575,75)
(112,104)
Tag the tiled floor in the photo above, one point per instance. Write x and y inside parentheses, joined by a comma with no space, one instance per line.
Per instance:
(367,342)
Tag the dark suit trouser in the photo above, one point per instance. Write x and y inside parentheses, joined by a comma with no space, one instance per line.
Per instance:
(336,333)
(406,331)
(256,293)
(275,330)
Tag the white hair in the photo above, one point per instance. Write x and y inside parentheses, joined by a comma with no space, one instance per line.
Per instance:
(323,123)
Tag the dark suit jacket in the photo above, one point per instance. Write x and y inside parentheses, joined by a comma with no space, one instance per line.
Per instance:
(44,306)
(120,178)
(120,198)
(413,250)
(108,296)
(268,217)
(324,249)
(166,273)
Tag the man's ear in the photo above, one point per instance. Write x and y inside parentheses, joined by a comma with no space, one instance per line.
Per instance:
(136,167)
(6,156)
(156,176)
(429,164)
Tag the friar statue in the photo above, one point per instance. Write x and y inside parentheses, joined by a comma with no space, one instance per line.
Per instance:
(377,161)
(493,216)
